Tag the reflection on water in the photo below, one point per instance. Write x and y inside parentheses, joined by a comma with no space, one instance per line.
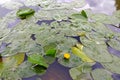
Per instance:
(4,1)
(102,6)
(3,11)
(54,72)
(57,72)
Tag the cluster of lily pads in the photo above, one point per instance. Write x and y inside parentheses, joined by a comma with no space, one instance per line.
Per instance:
(79,40)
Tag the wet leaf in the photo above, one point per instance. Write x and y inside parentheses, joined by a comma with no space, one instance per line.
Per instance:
(82,70)
(78,16)
(113,66)
(81,55)
(37,59)
(50,49)
(18,58)
(114,44)
(98,52)
(101,74)
(39,69)
(7,69)
(25,70)
(23,13)
(49,59)
(73,61)
(83,13)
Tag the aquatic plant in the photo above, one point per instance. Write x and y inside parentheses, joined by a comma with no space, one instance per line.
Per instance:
(53,30)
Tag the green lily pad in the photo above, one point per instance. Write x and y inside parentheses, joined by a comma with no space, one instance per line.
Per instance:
(83,13)
(101,74)
(40,70)
(23,13)
(73,61)
(113,66)
(25,70)
(37,59)
(82,70)
(114,44)
(97,52)
(50,49)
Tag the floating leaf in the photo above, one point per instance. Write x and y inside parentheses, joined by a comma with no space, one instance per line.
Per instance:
(23,13)
(25,70)
(81,54)
(78,16)
(77,72)
(73,61)
(39,69)
(113,66)
(49,59)
(98,52)
(7,69)
(101,74)
(37,59)
(50,49)
(83,13)
(114,44)
(18,58)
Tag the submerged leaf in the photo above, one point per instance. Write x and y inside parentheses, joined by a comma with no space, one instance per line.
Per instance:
(39,69)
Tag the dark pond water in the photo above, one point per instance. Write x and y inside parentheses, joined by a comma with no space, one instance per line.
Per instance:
(57,71)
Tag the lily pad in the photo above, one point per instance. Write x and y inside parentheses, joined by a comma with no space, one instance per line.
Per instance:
(98,52)
(101,74)
(114,44)
(73,61)
(25,70)
(50,49)
(23,13)
(37,59)
(84,69)
(113,66)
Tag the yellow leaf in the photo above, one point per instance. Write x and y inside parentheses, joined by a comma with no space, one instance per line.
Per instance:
(79,46)
(18,58)
(81,34)
(81,55)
